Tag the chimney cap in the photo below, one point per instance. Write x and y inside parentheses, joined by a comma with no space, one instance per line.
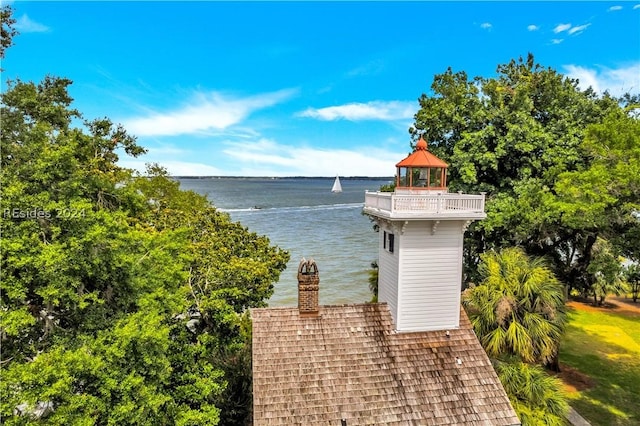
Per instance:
(308,287)
(307,267)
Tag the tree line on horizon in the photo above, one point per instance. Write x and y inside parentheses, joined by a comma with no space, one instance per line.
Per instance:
(124,299)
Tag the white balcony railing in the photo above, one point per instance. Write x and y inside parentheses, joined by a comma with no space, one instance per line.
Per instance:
(392,203)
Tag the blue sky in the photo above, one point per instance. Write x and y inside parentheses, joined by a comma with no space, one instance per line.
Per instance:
(300,88)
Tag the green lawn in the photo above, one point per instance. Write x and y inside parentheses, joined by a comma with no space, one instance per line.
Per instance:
(604,346)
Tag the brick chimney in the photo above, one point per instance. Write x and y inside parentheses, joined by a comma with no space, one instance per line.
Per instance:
(308,287)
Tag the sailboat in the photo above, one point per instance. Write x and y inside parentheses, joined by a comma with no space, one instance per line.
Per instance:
(337,187)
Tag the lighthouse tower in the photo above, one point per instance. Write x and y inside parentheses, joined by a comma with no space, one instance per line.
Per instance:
(421,228)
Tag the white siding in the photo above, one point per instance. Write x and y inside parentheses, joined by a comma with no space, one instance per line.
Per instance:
(388,274)
(430,274)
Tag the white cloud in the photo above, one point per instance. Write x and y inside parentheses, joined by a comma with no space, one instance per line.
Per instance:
(578,29)
(486,25)
(24,24)
(615,8)
(556,40)
(617,81)
(561,27)
(165,150)
(533,27)
(268,158)
(205,111)
(175,168)
(637,6)
(571,30)
(374,110)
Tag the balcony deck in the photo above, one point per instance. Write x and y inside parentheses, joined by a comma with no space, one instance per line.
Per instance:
(425,205)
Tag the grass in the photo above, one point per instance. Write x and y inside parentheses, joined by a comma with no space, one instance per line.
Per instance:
(601,357)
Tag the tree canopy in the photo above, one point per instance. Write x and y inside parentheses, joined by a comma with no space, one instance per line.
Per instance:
(560,167)
(559,164)
(7,29)
(123,297)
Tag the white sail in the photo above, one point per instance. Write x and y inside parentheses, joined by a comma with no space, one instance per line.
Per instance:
(337,187)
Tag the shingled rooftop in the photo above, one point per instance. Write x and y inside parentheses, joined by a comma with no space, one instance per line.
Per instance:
(413,358)
(346,365)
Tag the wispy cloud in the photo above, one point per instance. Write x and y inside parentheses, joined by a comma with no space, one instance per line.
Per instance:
(556,40)
(486,26)
(578,29)
(570,29)
(533,28)
(637,6)
(24,24)
(166,150)
(615,8)
(268,158)
(204,112)
(561,27)
(375,110)
(616,81)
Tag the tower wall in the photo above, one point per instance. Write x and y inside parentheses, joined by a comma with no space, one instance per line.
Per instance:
(421,280)
(388,273)
(431,279)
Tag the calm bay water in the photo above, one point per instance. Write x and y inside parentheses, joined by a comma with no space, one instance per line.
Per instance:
(301,215)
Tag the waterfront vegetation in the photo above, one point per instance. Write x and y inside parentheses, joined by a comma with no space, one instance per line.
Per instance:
(561,170)
(125,299)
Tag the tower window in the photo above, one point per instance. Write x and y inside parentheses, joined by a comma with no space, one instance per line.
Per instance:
(387,241)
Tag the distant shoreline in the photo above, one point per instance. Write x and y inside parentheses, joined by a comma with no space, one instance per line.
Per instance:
(288,177)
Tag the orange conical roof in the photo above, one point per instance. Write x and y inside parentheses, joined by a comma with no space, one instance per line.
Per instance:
(421,157)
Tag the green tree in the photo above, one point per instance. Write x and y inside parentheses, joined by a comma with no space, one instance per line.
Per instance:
(518,313)
(64,254)
(7,29)
(607,270)
(123,298)
(518,307)
(518,137)
(537,398)
(631,274)
(601,199)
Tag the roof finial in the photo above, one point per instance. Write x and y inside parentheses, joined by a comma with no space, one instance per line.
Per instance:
(421,145)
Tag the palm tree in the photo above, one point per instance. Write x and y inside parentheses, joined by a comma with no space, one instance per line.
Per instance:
(518,308)
(518,313)
(537,398)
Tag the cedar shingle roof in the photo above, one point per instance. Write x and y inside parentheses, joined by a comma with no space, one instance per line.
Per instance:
(350,363)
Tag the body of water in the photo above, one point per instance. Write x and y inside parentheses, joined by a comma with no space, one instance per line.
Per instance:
(303,216)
